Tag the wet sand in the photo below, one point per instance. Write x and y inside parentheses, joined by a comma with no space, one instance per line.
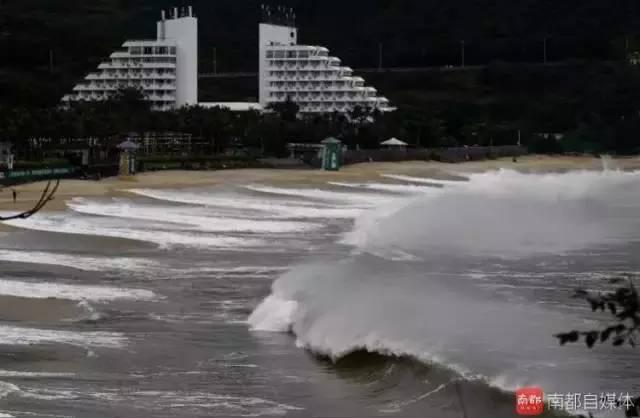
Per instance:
(30,193)
(41,310)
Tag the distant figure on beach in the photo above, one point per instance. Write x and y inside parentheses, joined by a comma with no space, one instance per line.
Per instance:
(515,159)
(15,195)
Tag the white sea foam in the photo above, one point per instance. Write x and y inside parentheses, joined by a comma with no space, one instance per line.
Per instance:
(254,207)
(7,388)
(249,270)
(218,199)
(70,224)
(10,335)
(274,314)
(120,209)
(397,406)
(388,187)
(352,199)
(505,213)
(46,290)
(34,375)
(180,402)
(232,272)
(79,262)
(423,180)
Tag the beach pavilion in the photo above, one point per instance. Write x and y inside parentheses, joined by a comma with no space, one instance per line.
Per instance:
(395,144)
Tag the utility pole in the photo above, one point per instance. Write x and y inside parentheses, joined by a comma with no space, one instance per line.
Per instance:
(626,46)
(462,57)
(215,60)
(50,61)
(380,49)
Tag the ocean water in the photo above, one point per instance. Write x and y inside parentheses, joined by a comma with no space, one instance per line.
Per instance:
(405,296)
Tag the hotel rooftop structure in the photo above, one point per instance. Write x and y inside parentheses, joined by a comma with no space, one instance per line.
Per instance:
(306,74)
(165,69)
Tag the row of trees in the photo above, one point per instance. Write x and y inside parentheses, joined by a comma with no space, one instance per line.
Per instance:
(596,107)
(457,125)
(128,112)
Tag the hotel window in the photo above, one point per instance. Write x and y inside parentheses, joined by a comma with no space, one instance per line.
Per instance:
(135,50)
(172,50)
(148,50)
(279,54)
(291,54)
(269,54)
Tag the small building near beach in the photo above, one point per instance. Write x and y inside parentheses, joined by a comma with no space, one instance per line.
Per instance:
(127,157)
(394,144)
(331,154)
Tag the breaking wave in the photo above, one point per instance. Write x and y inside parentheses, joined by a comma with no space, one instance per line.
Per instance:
(366,301)
(202,222)
(505,214)
(254,206)
(157,233)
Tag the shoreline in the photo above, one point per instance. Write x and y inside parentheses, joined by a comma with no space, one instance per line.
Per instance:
(28,194)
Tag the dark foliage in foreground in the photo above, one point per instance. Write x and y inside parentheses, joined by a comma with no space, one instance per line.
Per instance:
(623,305)
(45,197)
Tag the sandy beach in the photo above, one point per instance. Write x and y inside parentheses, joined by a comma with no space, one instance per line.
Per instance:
(30,193)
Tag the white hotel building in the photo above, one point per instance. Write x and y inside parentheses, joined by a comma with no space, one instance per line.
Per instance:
(307,74)
(166,70)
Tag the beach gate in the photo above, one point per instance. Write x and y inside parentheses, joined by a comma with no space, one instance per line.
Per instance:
(331,154)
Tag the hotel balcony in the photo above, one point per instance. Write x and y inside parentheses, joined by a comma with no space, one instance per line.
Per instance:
(161,98)
(94,76)
(158,86)
(346,71)
(147,42)
(137,64)
(121,55)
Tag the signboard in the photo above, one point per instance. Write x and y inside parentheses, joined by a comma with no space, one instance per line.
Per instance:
(38,173)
